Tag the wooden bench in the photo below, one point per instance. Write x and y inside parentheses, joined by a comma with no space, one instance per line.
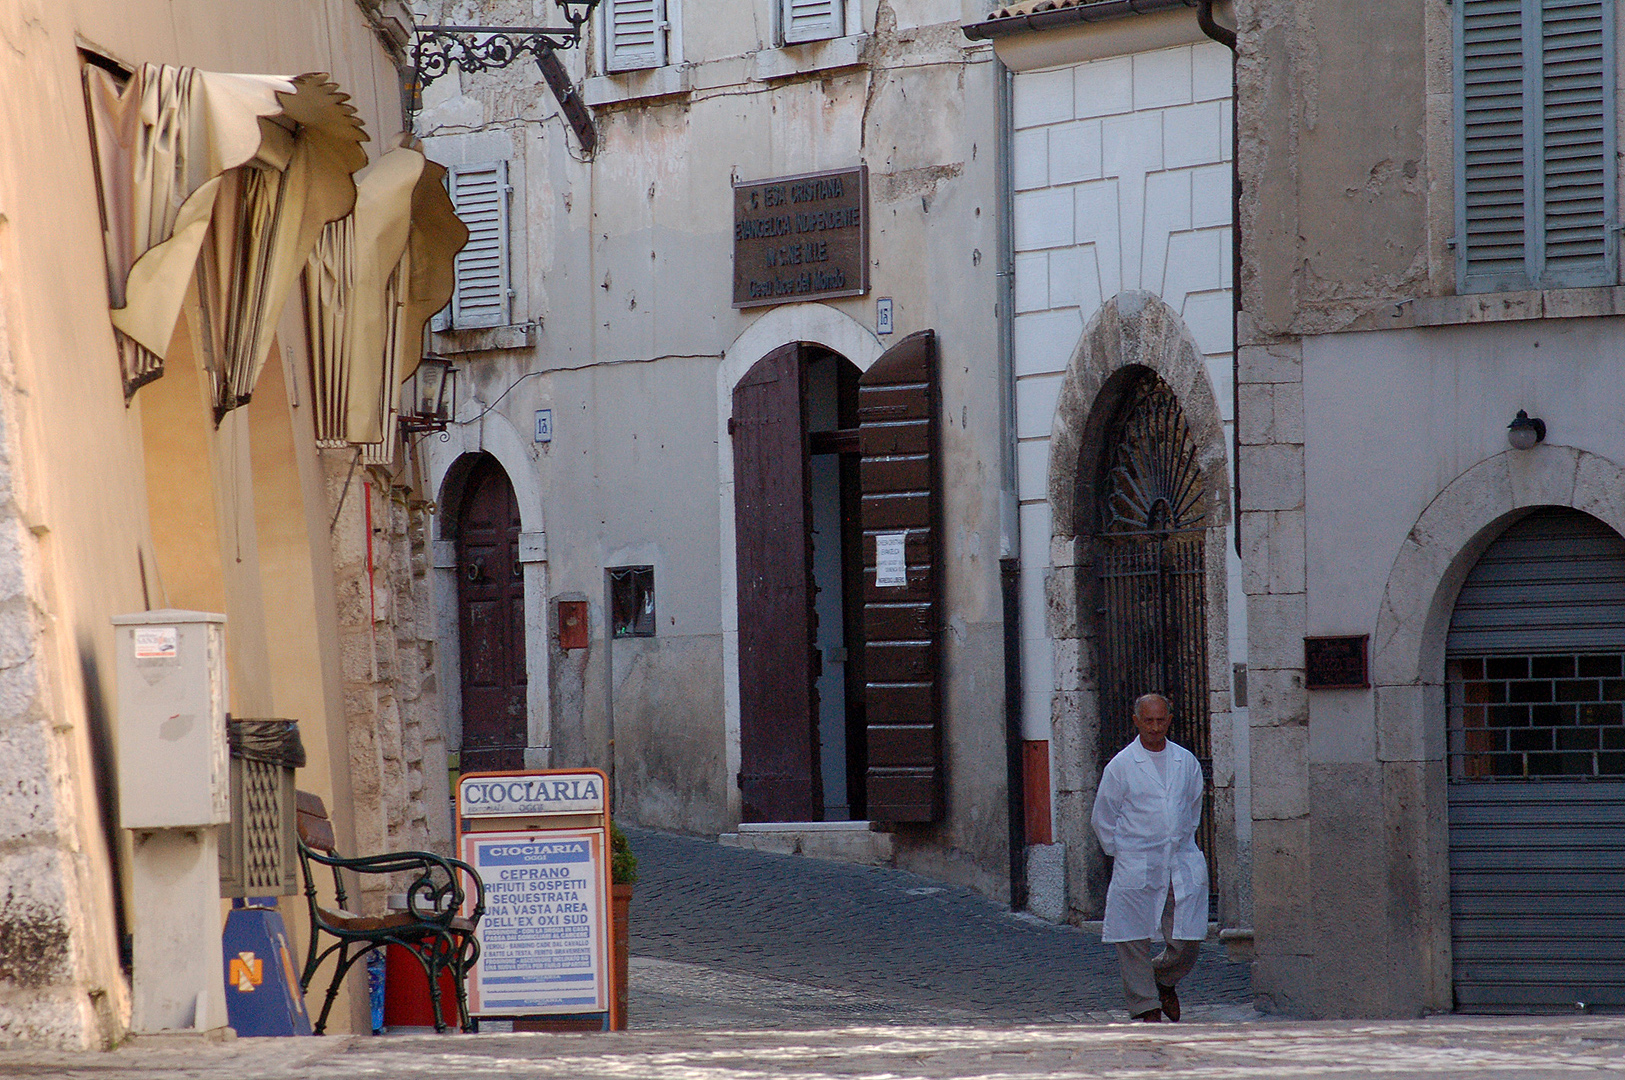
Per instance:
(432,926)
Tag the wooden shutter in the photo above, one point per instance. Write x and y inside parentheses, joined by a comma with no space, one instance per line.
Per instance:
(1535,144)
(635,34)
(484,292)
(1490,91)
(898,409)
(1577,87)
(810,20)
(778,734)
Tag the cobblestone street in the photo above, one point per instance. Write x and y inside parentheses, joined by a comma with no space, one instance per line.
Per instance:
(729,937)
(747,966)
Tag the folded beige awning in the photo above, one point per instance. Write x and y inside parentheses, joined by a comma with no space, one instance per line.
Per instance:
(373,281)
(231,177)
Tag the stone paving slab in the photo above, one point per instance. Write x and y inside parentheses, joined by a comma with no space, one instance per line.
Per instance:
(1441,1048)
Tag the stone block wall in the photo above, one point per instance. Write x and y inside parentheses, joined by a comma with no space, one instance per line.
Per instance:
(398,766)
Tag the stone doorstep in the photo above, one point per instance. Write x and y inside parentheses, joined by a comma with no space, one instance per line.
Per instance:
(838,841)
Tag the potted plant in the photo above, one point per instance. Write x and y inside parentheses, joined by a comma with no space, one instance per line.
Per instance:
(623,872)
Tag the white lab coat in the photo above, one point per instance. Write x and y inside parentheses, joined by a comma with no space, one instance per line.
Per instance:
(1149,829)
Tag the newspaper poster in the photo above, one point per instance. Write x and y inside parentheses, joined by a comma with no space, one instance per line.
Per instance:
(544,940)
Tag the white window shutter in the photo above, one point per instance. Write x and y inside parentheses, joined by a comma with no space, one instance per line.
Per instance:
(483,295)
(1576,122)
(810,20)
(635,34)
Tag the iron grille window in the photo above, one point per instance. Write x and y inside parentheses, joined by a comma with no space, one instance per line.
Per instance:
(1535,144)
(632,601)
(1544,717)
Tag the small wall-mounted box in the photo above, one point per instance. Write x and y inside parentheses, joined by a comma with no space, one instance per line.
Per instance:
(574,625)
(173,764)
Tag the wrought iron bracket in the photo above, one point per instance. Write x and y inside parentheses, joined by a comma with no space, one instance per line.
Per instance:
(491,48)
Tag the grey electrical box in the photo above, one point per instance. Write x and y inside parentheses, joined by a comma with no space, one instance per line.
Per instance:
(173,768)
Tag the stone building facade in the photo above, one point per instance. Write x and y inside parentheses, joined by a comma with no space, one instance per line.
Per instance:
(1425,254)
(622,332)
(161,450)
(1121,202)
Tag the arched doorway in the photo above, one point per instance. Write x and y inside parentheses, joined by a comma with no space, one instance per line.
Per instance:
(1150,580)
(491,621)
(799,543)
(1535,698)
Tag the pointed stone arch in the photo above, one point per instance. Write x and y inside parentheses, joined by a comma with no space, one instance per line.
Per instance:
(1133,335)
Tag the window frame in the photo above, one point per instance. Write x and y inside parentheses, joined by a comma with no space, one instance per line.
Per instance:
(837,21)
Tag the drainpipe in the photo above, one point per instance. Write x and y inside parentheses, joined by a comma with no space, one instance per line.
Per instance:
(1009,496)
(1227,37)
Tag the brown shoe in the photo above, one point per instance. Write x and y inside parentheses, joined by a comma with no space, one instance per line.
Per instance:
(1150,1016)
(1170,1002)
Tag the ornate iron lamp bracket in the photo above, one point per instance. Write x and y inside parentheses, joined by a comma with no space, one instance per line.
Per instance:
(491,48)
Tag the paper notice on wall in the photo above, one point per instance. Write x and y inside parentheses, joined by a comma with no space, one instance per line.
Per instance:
(891,571)
(156,642)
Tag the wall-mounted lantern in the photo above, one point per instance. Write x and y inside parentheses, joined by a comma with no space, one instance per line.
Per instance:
(1525,431)
(429,397)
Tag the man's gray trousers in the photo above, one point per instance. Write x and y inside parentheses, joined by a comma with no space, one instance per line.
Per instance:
(1143,971)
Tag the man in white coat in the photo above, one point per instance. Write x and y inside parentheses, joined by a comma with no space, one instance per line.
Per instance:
(1146,812)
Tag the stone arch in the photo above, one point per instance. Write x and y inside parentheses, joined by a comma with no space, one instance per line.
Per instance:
(1408,652)
(1133,333)
(815,324)
(448,465)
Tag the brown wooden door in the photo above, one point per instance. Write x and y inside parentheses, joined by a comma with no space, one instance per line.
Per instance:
(778,734)
(900,475)
(491,621)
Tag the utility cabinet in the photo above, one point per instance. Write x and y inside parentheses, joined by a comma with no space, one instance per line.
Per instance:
(173,765)
(257,849)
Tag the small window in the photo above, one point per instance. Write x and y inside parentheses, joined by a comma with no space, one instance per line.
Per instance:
(632,601)
(810,20)
(635,33)
(484,291)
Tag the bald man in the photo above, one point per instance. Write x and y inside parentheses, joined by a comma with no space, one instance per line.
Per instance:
(1146,813)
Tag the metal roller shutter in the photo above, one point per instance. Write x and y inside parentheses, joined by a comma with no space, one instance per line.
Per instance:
(1536,687)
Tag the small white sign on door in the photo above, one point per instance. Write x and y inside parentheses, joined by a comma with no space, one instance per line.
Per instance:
(891,570)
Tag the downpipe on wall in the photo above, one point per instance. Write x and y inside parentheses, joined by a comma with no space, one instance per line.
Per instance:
(1227,37)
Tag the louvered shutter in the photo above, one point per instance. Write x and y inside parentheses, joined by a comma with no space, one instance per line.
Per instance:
(810,20)
(634,34)
(1490,89)
(1576,122)
(901,477)
(483,296)
(1535,111)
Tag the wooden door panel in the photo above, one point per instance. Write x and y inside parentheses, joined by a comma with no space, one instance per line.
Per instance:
(490,600)
(778,737)
(900,475)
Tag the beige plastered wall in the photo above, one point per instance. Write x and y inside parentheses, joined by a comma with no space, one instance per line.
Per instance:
(109,509)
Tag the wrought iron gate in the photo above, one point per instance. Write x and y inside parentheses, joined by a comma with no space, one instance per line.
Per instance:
(1150,555)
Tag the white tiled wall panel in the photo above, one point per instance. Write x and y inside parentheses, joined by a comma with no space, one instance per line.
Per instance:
(1123,182)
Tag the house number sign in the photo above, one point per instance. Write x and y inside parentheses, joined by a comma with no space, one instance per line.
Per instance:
(801,238)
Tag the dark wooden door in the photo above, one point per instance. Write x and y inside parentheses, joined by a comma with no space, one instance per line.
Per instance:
(900,475)
(779,776)
(491,621)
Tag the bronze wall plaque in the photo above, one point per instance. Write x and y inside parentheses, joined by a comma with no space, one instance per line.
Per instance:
(801,238)
(1336,663)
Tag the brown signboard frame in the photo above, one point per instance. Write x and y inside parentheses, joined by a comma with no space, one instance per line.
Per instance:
(781,225)
(1337,663)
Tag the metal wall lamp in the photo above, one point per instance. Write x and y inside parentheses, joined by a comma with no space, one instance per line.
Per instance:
(1525,431)
(490,48)
(429,397)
